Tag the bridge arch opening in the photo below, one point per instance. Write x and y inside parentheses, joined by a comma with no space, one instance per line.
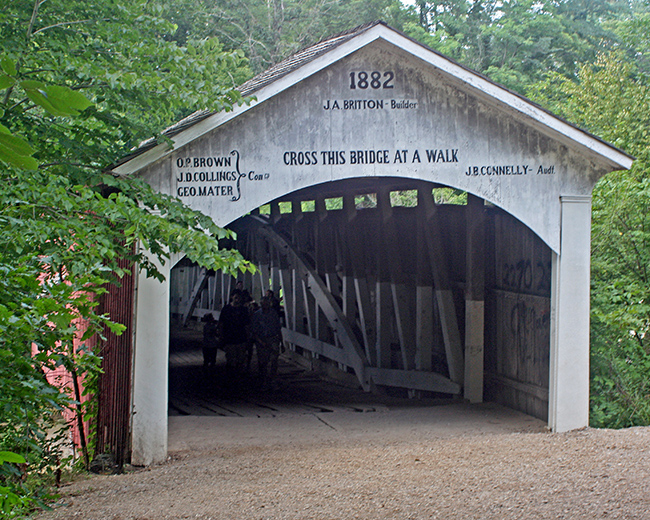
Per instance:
(404,288)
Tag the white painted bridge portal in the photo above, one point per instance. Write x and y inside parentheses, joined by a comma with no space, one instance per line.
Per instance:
(488,298)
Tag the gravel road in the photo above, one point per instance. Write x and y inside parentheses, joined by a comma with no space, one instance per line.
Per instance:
(446,462)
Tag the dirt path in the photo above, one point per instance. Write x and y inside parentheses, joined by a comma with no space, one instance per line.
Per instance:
(446,462)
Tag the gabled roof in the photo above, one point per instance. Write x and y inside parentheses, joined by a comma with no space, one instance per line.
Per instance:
(270,75)
(302,57)
(316,57)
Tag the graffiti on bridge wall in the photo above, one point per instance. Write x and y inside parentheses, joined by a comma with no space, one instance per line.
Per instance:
(526,275)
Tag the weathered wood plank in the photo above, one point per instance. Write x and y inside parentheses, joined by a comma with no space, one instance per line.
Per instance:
(424,327)
(367,319)
(384,318)
(317,346)
(536,391)
(199,285)
(414,380)
(404,305)
(474,299)
(444,296)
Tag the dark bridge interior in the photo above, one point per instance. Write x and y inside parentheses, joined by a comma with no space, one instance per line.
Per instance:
(194,390)
(375,276)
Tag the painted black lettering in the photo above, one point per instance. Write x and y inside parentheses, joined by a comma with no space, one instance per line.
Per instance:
(389,81)
(363,80)
(374,79)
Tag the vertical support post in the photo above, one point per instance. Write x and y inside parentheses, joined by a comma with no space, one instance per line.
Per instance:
(257,282)
(367,318)
(310,307)
(569,363)
(150,370)
(474,299)
(444,296)
(275,211)
(216,294)
(424,309)
(384,315)
(356,294)
(286,280)
(404,309)
(347,278)
(226,284)
(296,210)
(298,303)
(424,327)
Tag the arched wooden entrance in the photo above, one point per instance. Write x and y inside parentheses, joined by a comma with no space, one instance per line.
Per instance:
(379,277)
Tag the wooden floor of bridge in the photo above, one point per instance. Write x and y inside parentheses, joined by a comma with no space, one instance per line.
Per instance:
(197,392)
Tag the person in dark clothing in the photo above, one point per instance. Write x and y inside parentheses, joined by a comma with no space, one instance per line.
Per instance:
(233,323)
(267,334)
(275,303)
(245,295)
(210,341)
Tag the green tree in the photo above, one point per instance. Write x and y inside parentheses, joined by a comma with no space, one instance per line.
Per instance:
(82,83)
(516,42)
(270,30)
(612,100)
(633,33)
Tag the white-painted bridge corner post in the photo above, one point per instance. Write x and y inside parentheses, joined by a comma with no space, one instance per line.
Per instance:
(150,369)
(569,357)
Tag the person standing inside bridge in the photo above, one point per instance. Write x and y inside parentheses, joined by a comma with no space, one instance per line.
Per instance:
(267,334)
(246,297)
(233,328)
(210,341)
(275,303)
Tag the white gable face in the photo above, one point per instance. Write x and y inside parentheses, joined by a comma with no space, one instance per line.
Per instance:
(381,111)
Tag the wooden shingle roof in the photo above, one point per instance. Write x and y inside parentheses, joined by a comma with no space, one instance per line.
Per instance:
(270,75)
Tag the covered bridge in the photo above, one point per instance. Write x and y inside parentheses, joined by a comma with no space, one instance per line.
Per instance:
(429,229)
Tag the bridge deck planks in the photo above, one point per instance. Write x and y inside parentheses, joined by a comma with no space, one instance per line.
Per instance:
(294,391)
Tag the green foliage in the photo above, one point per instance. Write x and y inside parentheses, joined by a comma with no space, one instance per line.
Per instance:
(81,83)
(621,299)
(15,498)
(269,31)
(620,363)
(634,36)
(449,196)
(516,42)
(612,100)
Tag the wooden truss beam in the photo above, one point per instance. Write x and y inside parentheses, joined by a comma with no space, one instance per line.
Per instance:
(313,284)
(199,285)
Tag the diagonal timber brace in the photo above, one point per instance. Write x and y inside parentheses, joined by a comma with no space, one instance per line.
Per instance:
(330,308)
(200,284)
